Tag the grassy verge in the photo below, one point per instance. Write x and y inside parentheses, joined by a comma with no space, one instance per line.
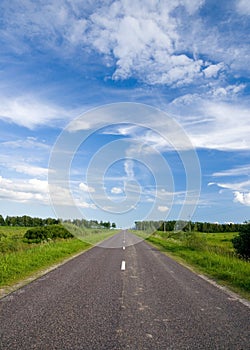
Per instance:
(210,254)
(91,236)
(19,260)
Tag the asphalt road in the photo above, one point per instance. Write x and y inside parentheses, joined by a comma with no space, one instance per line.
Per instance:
(116,298)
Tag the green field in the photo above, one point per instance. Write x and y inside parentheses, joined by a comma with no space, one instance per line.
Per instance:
(209,253)
(19,260)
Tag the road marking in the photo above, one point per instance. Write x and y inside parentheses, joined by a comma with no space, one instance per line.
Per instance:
(123,265)
(123,248)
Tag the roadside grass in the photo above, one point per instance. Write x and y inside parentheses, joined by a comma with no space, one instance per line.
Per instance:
(19,260)
(142,234)
(91,236)
(209,253)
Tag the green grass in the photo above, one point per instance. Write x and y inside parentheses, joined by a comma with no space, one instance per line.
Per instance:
(92,236)
(210,254)
(19,260)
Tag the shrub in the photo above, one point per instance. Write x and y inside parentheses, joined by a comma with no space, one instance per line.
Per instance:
(40,234)
(241,242)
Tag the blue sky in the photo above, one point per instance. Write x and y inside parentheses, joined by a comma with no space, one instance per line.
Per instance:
(102,94)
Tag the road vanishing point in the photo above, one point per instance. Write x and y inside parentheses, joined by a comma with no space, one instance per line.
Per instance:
(123,294)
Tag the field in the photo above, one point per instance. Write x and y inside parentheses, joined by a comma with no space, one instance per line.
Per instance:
(19,260)
(209,253)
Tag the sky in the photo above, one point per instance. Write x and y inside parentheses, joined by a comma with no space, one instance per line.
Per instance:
(125,110)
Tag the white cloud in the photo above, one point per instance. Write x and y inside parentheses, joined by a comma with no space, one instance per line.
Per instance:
(30,170)
(240,190)
(234,186)
(163,208)
(144,39)
(213,70)
(129,168)
(243,198)
(86,188)
(242,170)
(27,143)
(30,112)
(21,165)
(139,37)
(82,204)
(116,190)
(25,156)
(229,91)
(215,124)
(59,23)
(24,190)
(243,7)
(121,130)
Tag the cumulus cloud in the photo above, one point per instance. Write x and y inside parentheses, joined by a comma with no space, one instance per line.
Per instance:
(213,70)
(116,190)
(24,190)
(240,190)
(141,38)
(243,198)
(37,191)
(155,42)
(163,208)
(230,91)
(85,188)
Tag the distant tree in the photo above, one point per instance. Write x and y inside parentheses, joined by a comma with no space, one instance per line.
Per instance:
(2,221)
(241,242)
(113,225)
(105,224)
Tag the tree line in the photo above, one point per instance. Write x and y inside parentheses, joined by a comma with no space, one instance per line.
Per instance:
(91,223)
(174,225)
(28,221)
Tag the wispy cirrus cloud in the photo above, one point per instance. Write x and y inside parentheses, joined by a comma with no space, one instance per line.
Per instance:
(214,124)
(31,112)
(239,171)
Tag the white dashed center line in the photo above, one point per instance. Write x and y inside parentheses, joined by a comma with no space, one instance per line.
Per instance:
(123,248)
(123,265)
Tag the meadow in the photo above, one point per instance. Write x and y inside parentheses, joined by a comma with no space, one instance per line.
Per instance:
(211,254)
(19,260)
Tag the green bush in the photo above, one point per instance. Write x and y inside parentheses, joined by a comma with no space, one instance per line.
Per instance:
(40,234)
(241,242)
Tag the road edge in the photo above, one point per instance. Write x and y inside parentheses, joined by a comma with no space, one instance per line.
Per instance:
(5,291)
(233,295)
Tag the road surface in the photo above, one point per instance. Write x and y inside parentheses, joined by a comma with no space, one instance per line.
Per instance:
(129,297)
